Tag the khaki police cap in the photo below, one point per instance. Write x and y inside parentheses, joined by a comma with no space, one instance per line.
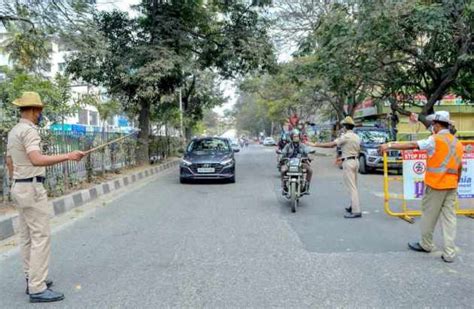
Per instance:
(28,99)
(348,120)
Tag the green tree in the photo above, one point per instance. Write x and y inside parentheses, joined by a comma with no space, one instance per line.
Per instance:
(169,46)
(422,47)
(54,94)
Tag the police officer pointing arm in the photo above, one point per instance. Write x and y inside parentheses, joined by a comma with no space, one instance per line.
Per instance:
(350,147)
(443,172)
(26,166)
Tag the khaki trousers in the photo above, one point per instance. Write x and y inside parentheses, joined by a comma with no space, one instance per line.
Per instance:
(35,235)
(350,169)
(438,204)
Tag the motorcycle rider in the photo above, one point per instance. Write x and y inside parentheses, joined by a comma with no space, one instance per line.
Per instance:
(292,150)
(283,142)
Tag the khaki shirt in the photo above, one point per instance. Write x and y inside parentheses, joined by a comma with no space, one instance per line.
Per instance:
(349,143)
(23,139)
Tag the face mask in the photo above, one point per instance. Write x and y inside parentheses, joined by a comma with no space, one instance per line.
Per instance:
(431,129)
(40,118)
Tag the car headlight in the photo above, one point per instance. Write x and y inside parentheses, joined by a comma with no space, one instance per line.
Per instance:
(227,162)
(186,162)
(373,152)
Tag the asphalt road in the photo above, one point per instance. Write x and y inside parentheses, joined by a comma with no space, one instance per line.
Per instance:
(238,245)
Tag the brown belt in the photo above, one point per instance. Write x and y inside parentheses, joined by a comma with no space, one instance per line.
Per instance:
(348,158)
(32,179)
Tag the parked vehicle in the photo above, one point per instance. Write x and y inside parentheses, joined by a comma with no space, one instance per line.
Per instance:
(369,157)
(208,158)
(234,144)
(269,141)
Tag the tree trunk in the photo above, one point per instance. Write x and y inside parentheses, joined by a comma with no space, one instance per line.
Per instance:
(396,108)
(144,134)
(440,89)
(102,155)
(168,150)
(351,104)
(188,133)
(337,105)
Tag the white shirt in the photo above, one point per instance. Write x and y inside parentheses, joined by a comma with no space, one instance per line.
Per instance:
(429,143)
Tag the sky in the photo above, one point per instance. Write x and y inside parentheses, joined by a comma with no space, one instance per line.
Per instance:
(123,5)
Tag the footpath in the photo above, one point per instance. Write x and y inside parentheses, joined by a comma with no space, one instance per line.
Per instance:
(75,199)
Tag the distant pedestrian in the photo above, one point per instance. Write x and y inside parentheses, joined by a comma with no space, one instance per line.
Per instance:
(443,172)
(349,142)
(26,166)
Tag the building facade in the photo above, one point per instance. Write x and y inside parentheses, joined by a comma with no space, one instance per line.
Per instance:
(88,116)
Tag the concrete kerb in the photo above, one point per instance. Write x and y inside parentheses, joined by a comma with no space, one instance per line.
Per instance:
(61,205)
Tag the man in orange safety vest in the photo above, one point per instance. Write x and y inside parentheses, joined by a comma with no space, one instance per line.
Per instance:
(443,172)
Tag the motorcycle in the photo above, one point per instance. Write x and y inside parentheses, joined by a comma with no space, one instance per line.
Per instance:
(295,180)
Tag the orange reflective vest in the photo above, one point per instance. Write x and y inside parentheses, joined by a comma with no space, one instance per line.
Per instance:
(442,170)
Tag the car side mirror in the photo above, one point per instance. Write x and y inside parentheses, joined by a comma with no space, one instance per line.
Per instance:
(236,150)
(278,151)
(312,151)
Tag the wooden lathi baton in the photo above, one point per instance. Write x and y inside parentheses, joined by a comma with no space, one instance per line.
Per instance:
(108,143)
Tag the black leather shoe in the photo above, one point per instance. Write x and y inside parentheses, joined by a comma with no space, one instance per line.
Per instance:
(47,296)
(49,283)
(349,209)
(415,246)
(353,215)
(446,260)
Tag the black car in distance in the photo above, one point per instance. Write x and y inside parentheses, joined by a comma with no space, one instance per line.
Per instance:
(208,158)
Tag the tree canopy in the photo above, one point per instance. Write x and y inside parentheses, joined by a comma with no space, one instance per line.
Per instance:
(398,51)
(172,45)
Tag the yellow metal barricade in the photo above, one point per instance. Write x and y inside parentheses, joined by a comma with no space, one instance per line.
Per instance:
(405,213)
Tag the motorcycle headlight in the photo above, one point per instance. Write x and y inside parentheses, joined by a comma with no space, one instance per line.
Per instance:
(186,162)
(294,169)
(226,162)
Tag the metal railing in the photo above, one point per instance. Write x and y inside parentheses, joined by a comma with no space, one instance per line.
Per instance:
(61,177)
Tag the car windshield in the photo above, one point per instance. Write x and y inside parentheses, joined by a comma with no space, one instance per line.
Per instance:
(208,145)
(378,137)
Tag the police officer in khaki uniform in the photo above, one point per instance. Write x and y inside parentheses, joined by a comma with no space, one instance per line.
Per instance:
(26,165)
(350,147)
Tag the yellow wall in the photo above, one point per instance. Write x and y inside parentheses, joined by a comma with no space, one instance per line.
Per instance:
(463,116)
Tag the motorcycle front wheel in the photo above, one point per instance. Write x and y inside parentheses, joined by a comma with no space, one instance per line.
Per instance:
(293,197)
